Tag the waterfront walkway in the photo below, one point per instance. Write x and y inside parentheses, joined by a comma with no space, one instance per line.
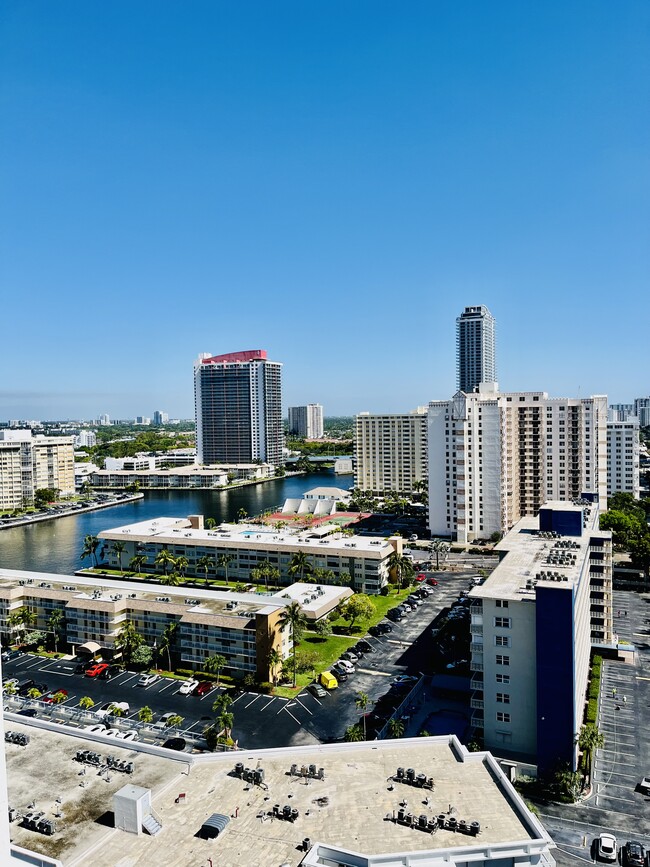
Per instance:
(73,509)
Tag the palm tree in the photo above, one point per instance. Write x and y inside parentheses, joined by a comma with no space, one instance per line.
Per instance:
(86,702)
(223,560)
(275,660)
(225,721)
(145,714)
(164,559)
(299,565)
(119,548)
(401,567)
(171,579)
(34,693)
(589,740)
(241,514)
(293,617)
(354,733)
(181,565)
(272,575)
(91,544)
(210,523)
(128,639)
(439,547)
(361,701)
(167,641)
(204,563)
(59,697)
(55,623)
(396,727)
(213,665)
(20,619)
(174,722)
(137,562)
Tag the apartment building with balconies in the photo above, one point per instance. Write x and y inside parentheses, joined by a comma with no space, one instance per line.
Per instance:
(623,458)
(29,462)
(533,624)
(390,451)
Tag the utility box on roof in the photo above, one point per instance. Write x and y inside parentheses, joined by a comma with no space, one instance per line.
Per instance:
(131,806)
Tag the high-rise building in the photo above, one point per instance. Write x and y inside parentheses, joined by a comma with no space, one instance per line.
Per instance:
(85,439)
(28,463)
(533,623)
(475,348)
(143,420)
(623,458)
(642,410)
(105,420)
(238,406)
(306,421)
(494,458)
(390,451)
(620,411)
(160,417)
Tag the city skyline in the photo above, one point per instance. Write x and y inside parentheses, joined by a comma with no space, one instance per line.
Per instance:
(311,185)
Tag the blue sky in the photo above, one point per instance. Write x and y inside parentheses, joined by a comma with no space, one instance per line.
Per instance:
(331,181)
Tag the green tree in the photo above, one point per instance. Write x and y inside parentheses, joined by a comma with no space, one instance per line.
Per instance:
(589,740)
(204,563)
(181,565)
(438,546)
(86,702)
(127,640)
(210,523)
(174,722)
(164,559)
(142,656)
(242,514)
(119,548)
(354,733)
(223,561)
(145,714)
(91,544)
(137,562)
(214,665)
(299,565)
(292,618)
(168,640)
(56,625)
(170,579)
(323,628)
(626,527)
(59,697)
(34,693)
(362,701)
(44,496)
(19,621)
(396,727)
(640,554)
(357,606)
(275,662)
(567,783)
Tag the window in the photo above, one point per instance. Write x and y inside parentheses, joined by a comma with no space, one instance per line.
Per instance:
(501,603)
(502,641)
(503,660)
(503,717)
(502,622)
(503,678)
(503,698)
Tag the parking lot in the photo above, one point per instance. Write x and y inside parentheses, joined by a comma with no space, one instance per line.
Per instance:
(260,720)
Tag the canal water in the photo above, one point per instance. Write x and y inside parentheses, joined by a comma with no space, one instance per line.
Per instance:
(54,546)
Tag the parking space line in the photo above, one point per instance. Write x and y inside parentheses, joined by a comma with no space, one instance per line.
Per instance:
(291,715)
(302,705)
(268,704)
(621,755)
(254,700)
(129,679)
(168,682)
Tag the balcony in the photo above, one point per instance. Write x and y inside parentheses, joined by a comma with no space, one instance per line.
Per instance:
(476,704)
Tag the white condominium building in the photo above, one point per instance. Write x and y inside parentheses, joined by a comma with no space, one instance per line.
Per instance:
(494,458)
(642,410)
(306,421)
(623,458)
(620,411)
(533,624)
(85,439)
(390,451)
(28,463)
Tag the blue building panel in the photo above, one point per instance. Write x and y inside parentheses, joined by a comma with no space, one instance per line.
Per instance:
(566,522)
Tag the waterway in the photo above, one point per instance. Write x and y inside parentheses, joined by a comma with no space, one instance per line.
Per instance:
(54,546)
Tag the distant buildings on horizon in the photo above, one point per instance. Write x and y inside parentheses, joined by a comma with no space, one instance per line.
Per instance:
(306,421)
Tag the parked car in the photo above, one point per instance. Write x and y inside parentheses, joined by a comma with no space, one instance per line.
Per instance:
(8,655)
(96,728)
(339,673)
(316,690)
(364,646)
(644,785)
(49,698)
(606,847)
(633,854)
(110,672)
(129,735)
(421,577)
(204,687)
(346,665)
(432,582)
(382,628)
(177,744)
(28,711)
(111,733)
(148,679)
(405,679)
(188,687)
(351,656)
(96,669)
(395,614)
(108,708)
(26,685)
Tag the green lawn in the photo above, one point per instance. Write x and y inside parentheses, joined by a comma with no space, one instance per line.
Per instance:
(381,604)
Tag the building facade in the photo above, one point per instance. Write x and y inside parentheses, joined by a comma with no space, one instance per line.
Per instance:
(238,406)
(623,458)
(533,624)
(186,477)
(390,451)
(28,463)
(494,458)
(642,410)
(620,411)
(160,417)
(475,348)
(306,421)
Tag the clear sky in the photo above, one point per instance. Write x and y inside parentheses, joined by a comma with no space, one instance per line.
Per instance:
(331,181)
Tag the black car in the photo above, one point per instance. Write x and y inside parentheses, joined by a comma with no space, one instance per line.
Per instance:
(364,646)
(26,685)
(395,614)
(633,854)
(110,672)
(339,673)
(28,711)
(8,655)
(177,744)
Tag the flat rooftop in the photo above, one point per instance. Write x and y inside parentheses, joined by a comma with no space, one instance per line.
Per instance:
(347,809)
(529,555)
(177,531)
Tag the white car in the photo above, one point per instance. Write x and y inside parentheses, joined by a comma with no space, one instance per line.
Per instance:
(130,735)
(107,709)
(188,687)
(346,665)
(112,733)
(147,679)
(644,785)
(606,848)
(95,728)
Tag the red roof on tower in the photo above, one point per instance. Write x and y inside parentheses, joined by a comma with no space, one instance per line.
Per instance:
(245,355)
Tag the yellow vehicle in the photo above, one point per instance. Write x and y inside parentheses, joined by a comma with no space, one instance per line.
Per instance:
(328,680)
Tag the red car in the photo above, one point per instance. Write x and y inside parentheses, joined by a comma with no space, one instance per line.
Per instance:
(204,687)
(432,582)
(48,699)
(420,577)
(96,669)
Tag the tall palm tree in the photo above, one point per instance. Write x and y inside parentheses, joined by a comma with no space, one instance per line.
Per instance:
(354,733)
(299,565)
(145,714)
(275,660)
(214,664)
(181,565)
(164,559)
(362,701)
(293,617)
(223,561)
(204,563)
(439,547)
(128,639)
(55,623)
(396,565)
(167,641)
(91,544)
(589,740)
(137,562)
(119,548)
(20,619)
(170,579)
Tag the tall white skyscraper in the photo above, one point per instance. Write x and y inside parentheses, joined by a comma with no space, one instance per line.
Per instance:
(238,406)
(475,348)
(623,457)
(306,421)
(494,458)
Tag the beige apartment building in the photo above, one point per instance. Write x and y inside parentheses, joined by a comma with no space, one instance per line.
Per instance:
(28,463)
(390,451)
